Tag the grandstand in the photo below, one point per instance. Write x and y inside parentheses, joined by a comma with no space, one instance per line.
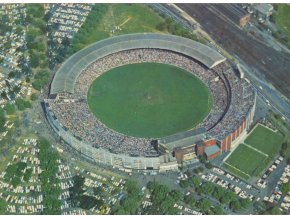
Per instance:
(69,115)
(66,76)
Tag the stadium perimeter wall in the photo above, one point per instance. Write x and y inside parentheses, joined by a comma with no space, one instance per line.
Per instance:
(102,156)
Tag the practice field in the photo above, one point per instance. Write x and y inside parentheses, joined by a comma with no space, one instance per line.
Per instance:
(265,140)
(149,100)
(245,161)
(251,158)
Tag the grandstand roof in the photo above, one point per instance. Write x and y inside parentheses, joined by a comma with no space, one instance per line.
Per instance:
(65,78)
(183,139)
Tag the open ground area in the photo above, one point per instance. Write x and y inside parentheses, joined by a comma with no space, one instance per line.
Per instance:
(282,19)
(245,161)
(129,18)
(149,99)
(265,140)
(251,158)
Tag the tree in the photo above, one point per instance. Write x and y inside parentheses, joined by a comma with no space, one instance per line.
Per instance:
(120,211)
(49,182)
(33,97)
(21,166)
(85,35)
(273,211)
(224,199)
(27,175)
(150,185)
(198,170)
(2,120)
(3,207)
(176,195)
(202,159)
(76,191)
(88,202)
(10,109)
(40,79)
(217,210)
(259,207)
(204,205)
(285,188)
(163,200)
(35,10)
(31,34)
(27,79)
(11,74)
(34,60)
(184,183)
(235,205)
(284,146)
(36,85)
(22,104)
(130,204)
(15,181)
(189,173)
(4,95)
(131,186)
(208,165)
(208,188)
(190,200)
(245,203)
(18,30)
(196,181)
(65,42)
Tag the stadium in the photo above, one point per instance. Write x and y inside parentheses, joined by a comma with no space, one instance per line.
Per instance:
(216,126)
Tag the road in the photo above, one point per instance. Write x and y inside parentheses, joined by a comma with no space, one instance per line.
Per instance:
(265,64)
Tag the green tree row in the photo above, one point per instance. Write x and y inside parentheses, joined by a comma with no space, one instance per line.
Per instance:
(49,182)
(84,36)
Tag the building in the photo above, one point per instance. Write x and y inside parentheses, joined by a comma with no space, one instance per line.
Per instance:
(185,154)
(263,11)
(227,142)
(212,152)
(181,140)
(209,148)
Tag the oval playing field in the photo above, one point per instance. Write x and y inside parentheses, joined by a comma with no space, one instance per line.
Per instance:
(149,100)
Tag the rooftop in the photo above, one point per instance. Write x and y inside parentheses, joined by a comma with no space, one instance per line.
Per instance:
(183,139)
(211,150)
(264,8)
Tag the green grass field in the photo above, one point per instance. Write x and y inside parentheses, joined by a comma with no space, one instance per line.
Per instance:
(265,140)
(282,18)
(149,99)
(131,18)
(236,172)
(135,18)
(246,160)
